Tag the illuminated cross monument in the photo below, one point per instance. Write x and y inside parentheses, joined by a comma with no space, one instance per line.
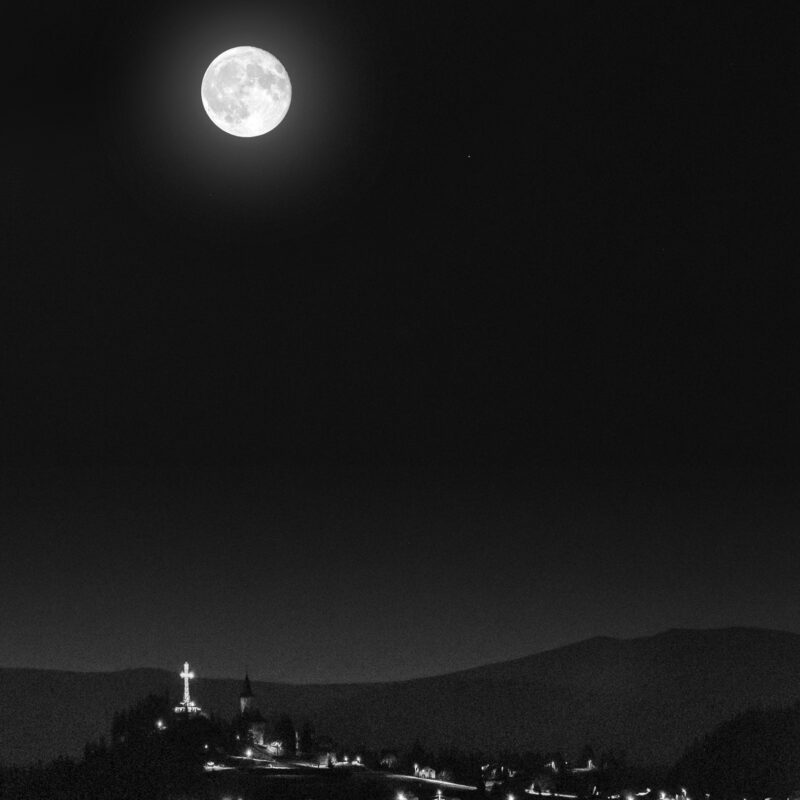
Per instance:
(187,705)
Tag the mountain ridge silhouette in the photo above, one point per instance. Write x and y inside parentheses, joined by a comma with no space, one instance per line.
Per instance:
(648,696)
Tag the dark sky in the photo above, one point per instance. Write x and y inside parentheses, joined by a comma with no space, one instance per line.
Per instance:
(492,345)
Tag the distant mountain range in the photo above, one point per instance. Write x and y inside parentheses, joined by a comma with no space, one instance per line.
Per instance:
(649,696)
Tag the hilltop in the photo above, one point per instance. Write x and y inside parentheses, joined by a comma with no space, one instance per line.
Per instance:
(649,696)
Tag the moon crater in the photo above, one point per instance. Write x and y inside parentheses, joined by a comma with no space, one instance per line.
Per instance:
(246,91)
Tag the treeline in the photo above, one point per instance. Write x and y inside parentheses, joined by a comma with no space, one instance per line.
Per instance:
(754,755)
(155,754)
(143,759)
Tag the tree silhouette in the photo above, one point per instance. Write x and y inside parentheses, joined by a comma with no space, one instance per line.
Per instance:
(755,753)
(306,738)
(284,732)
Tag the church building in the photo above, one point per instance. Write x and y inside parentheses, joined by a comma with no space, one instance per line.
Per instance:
(251,722)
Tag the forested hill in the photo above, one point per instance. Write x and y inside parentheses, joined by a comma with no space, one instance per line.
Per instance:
(649,696)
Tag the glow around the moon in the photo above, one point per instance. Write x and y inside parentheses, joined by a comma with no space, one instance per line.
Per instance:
(246,91)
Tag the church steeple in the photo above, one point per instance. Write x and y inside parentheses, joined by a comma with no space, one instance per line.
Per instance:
(246,696)
(251,723)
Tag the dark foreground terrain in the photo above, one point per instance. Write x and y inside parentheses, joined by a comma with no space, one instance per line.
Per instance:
(323,785)
(752,755)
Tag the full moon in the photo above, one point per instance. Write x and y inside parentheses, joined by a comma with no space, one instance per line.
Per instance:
(246,91)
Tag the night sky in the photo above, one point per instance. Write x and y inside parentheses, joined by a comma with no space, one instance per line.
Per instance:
(491,346)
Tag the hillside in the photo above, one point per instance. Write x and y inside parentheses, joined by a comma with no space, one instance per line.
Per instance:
(751,755)
(649,696)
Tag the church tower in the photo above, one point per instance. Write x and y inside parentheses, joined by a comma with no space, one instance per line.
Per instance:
(246,697)
(253,725)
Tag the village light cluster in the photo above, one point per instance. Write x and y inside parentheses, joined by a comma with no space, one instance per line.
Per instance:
(258,747)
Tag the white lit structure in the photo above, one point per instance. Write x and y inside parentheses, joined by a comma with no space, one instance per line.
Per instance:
(187,705)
